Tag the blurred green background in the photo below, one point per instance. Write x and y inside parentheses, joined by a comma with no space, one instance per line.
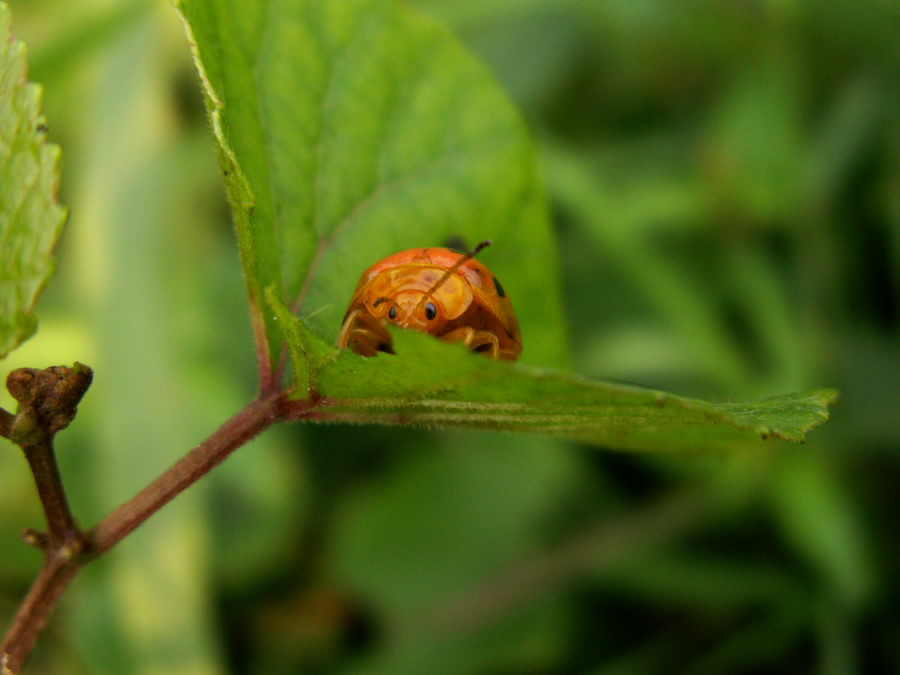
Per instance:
(726,190)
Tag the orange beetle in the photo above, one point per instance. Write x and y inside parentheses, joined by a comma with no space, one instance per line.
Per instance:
(432,290)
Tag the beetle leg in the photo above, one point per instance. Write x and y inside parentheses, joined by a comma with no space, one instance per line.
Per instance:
(364,335)
(347,328)
(367,341)
(476,340)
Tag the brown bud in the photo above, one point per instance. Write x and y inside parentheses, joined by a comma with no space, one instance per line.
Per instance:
(52,394)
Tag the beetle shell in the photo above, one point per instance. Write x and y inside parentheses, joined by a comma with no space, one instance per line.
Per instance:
(412,289)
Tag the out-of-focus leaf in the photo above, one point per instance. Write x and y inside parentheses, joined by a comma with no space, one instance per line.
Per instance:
(706,587)
(758,644)
(614,221)
(533,640)
(30,217)
(431,383)
(821,522)
(351,130)
(79,41)
(139,175)
(257,498)
(463,511)
(754,158)
(442,499)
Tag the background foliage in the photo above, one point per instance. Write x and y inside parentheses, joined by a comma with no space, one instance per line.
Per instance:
(725,181)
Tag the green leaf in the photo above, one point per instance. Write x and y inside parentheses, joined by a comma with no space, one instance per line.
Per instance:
(308,353)
(435,384)
(440,496)
(349,130)
(30,217)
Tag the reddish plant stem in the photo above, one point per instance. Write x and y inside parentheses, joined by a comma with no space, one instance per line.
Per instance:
(63,532)
(269,381)
(35,611)
(68,549)
(255,418)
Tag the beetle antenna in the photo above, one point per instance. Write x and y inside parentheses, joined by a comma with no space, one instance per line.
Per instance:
(450,270)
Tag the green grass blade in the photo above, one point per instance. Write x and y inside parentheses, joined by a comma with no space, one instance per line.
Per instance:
(30,217)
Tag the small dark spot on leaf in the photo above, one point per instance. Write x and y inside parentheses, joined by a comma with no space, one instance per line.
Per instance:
(42,128)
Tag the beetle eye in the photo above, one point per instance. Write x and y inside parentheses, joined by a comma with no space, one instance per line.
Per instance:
(392,312)
(430,311)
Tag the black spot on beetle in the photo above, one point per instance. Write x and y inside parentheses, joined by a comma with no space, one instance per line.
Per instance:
(392,312)
(456,244)
(379,301)
(499,287)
